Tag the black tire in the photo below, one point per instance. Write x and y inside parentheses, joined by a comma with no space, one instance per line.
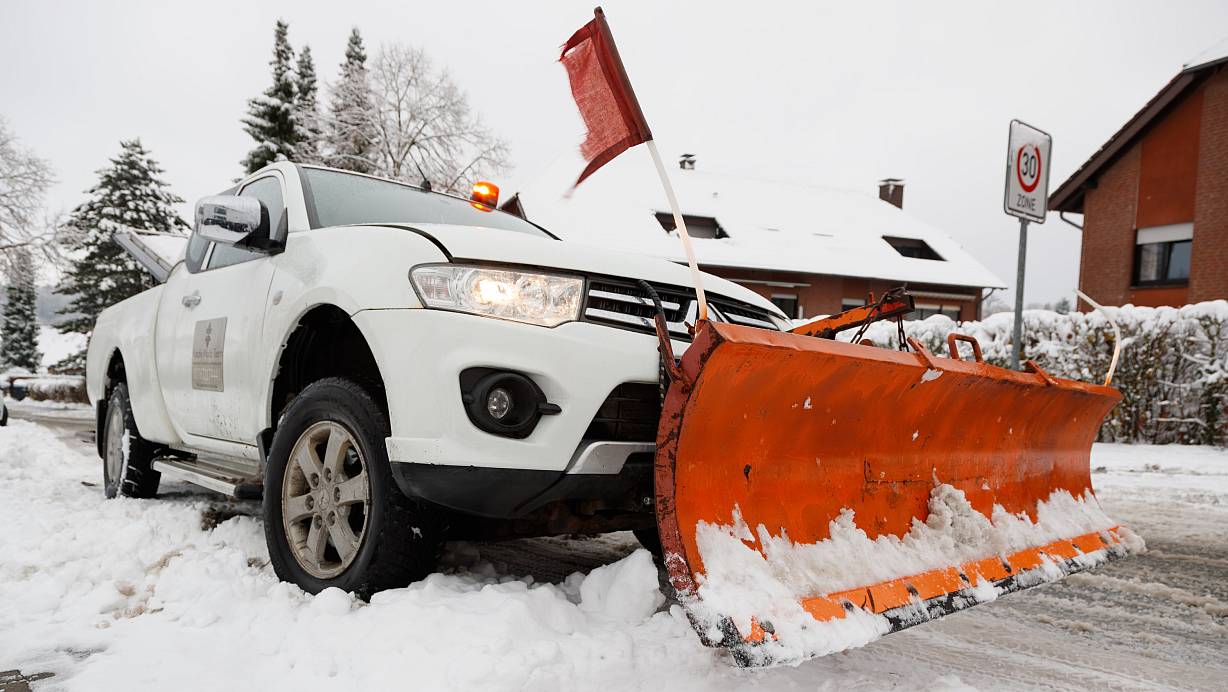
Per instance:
(4,414)
(650,540)
(400,540)
(130,475)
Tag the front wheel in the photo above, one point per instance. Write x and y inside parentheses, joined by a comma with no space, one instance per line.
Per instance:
(333,515)
(127,458)
(649,539)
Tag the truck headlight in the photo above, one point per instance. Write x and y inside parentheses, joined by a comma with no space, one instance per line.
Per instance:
(543,299)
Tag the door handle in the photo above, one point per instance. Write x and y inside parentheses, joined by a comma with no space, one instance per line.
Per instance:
(191,301)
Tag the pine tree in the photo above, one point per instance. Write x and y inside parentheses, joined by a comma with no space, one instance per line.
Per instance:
(350,134)
(271,118)
(307,109)
(130,195)
(19,330)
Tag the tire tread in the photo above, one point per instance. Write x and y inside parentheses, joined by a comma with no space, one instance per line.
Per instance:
(407,546)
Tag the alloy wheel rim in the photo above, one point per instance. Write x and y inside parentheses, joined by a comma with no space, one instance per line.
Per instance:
(115,445)
(325,499)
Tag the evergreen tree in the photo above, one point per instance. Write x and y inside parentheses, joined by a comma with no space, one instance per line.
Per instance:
(351,132)
(19,330)
(271,119)
(129,195)
(307,109)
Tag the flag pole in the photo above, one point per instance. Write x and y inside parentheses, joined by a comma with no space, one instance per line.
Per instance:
(681,226)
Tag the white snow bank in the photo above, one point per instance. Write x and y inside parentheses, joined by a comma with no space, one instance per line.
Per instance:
(131,594)
(741,582)
(1166,459)
(626,591)
(136,595)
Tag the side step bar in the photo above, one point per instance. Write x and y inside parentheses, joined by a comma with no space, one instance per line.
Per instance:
(236,478)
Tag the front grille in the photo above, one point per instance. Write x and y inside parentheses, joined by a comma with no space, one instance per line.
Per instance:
(629,414)
(626,305)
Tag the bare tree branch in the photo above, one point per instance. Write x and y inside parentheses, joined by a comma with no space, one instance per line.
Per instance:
(24,179)
(423,122)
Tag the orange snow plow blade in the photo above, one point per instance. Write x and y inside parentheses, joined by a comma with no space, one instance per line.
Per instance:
(964,481)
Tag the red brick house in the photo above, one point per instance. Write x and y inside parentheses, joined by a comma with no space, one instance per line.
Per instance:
(1154,198)
(811,250)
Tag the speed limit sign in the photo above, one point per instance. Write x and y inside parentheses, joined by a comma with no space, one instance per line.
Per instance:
(1027,172)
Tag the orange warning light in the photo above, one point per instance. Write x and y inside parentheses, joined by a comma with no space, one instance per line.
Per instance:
(484,196)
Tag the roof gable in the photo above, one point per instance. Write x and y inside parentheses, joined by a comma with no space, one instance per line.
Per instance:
(1069,195)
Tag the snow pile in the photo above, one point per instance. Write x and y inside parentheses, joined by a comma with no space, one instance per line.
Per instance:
(1173,373)
(148,595)
(135,594)
(626,591)
(766,581)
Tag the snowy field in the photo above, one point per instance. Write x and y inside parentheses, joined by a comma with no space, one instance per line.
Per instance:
(176,593)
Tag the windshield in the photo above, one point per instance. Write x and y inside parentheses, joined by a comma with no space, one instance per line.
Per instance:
(343,198)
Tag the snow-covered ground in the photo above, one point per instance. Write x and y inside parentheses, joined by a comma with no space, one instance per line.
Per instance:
(176,593)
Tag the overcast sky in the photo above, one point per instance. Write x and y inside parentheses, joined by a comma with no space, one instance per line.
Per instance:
(839,94)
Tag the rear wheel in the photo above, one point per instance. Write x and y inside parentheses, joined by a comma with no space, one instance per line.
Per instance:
(333,515)
(4,414)
(127,458)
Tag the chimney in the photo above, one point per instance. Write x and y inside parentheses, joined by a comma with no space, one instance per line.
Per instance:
(891,191)
(687,162)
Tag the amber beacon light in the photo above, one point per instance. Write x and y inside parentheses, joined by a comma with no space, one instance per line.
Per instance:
(484,196)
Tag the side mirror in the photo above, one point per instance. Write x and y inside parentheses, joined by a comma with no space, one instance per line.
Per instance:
(232,220)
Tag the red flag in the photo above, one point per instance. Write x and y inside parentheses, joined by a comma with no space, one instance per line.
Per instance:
(603,94)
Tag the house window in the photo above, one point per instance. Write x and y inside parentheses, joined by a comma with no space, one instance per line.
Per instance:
(787,303)
(696,226)
(924,310)
(912,247)
(1162,255)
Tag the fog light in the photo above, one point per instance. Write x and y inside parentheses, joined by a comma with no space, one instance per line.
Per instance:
(503,402)
(498,403)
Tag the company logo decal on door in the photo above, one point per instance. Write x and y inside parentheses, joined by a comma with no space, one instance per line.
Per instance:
(208,346)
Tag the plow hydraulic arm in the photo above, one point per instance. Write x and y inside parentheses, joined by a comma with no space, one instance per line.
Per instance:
(895,303)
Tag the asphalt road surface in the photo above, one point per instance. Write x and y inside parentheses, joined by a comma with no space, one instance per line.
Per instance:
(70,422)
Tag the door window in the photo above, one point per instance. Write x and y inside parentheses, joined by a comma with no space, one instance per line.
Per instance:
(194,256)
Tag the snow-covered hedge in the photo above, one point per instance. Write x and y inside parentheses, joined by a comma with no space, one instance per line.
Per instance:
(1173,372)
(62,388)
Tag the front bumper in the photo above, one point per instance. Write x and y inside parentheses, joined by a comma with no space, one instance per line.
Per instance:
(421,353)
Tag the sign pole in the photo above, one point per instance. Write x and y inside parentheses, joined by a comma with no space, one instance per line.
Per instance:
(1026,197)
(1017,339)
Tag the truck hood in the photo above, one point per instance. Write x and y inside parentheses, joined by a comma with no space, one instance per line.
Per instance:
(483,244)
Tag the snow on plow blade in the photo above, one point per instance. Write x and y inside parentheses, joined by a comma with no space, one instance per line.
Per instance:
(813,495)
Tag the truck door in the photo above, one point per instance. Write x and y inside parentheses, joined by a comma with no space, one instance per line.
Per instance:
(211,338)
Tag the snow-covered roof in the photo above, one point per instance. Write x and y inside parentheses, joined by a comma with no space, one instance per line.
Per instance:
(771,225)
(1214,53)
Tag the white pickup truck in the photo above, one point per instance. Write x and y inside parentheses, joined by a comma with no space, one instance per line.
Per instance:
(390,367)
